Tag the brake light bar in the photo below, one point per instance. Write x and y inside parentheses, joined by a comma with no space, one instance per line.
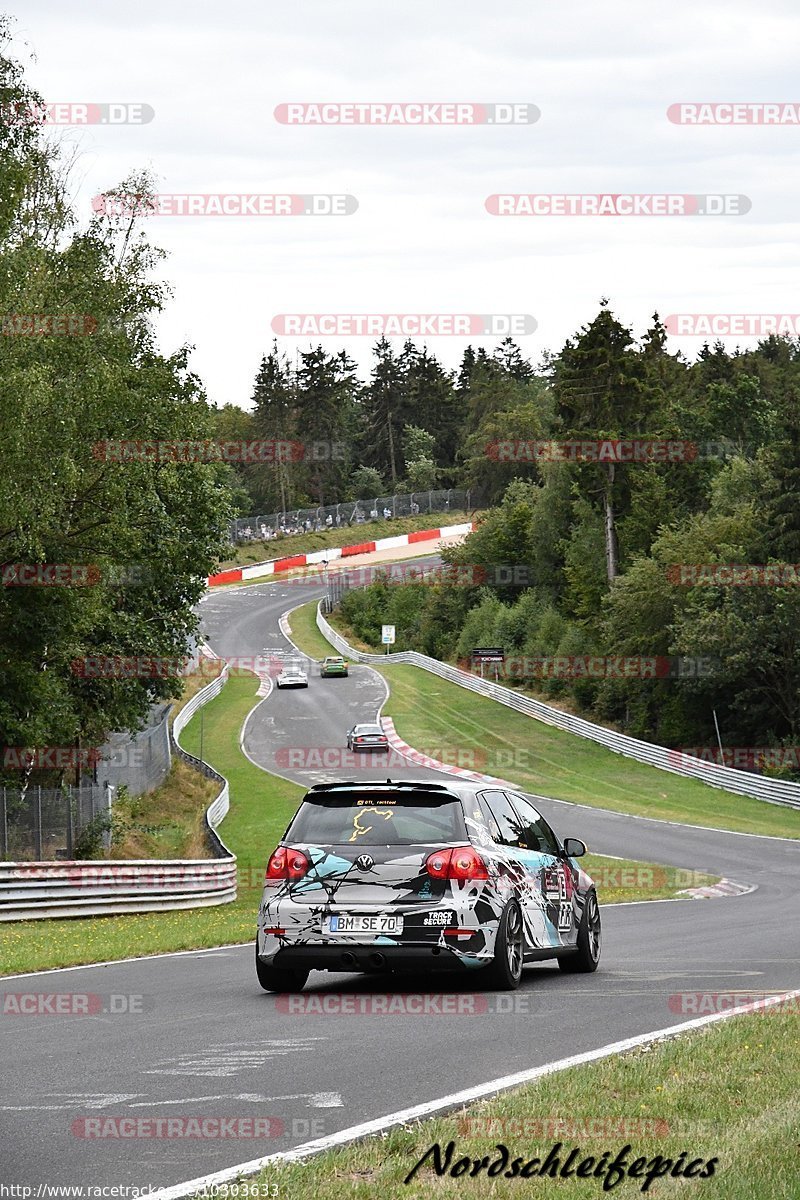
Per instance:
(286,864)
(457,862)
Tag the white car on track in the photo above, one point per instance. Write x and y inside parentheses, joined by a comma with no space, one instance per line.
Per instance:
(293,674)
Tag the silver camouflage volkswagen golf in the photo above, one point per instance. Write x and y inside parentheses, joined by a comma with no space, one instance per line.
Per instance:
(396,876)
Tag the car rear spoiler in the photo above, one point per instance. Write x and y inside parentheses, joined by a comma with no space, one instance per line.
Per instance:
(411,785)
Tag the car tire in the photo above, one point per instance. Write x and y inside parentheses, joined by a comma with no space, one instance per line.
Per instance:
(587,956)
(505,972)
(273,979)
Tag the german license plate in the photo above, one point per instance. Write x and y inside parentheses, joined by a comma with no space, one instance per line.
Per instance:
(362,923)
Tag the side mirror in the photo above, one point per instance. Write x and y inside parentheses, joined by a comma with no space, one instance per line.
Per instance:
(574,847)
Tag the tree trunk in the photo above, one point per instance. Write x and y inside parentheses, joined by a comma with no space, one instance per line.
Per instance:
(610,529)
(391,453)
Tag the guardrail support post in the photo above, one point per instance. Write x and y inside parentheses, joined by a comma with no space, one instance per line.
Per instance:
(108,801)
(70,825)
(37,832)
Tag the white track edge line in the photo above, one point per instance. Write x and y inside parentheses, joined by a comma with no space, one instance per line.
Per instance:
(456,1099)
(117,962)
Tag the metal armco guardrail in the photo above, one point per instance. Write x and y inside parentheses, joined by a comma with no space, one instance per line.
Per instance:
(743,783)
(35,890)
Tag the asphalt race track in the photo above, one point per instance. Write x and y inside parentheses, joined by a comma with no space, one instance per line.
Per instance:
(209,1043)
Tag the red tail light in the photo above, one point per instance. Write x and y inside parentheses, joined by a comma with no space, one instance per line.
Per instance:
(286,864)
(461,862)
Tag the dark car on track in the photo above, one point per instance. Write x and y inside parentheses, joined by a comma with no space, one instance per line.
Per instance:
(397,876)
(367,737)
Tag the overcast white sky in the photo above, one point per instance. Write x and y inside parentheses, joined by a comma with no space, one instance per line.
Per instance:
(421,241)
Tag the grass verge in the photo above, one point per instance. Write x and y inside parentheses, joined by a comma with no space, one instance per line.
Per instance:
(305,634)
(709,1094)
(429,712)
(623,880)
(166,823)
(441,718)
(346,535)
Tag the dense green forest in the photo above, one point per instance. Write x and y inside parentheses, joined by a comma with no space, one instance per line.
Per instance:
(601,542)
(412,426)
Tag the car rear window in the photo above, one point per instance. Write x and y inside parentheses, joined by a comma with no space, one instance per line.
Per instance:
(383,819)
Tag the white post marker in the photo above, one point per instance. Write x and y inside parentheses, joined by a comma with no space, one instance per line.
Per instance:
(387,636)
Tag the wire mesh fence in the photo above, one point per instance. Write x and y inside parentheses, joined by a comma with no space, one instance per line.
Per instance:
(38,823)
(140,762)
(273,526)
(41,823)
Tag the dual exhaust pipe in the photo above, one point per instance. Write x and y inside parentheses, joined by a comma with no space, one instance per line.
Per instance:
(375,961)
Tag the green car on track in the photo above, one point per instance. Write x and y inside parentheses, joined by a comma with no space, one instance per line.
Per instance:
(334,664)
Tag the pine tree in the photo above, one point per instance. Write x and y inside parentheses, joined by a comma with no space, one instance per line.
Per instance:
(598,386)
(327,390)
(384,409)
(275,419)
(435,403)
(509,357)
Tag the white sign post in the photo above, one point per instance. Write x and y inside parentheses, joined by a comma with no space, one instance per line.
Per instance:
(387,636)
